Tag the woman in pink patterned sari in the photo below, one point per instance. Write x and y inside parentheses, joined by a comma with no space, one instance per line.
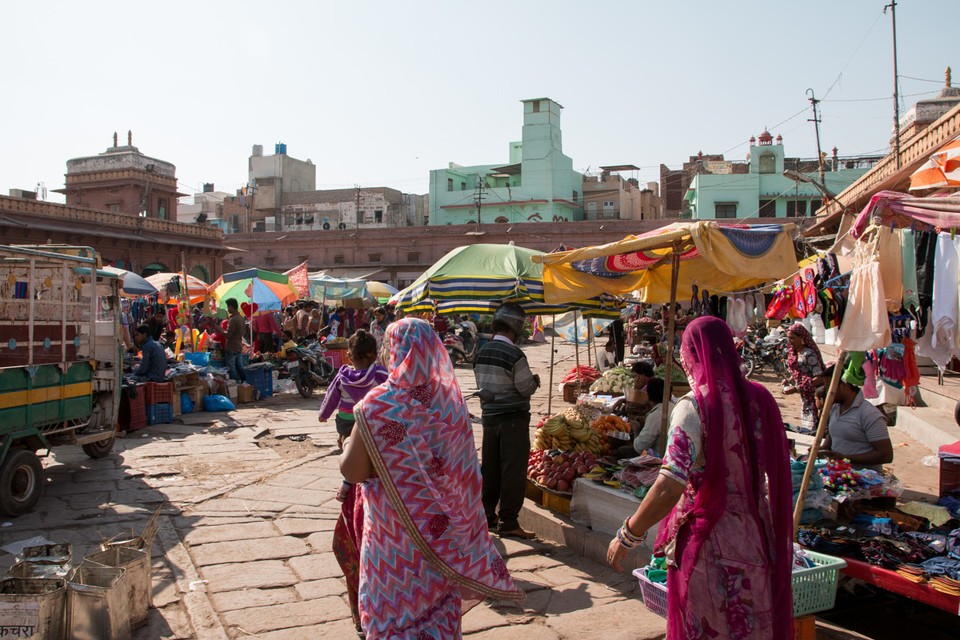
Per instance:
(426,554)
(725,490)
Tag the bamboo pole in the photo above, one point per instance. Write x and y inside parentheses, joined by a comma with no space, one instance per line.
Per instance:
(576,346)
(815,449)
(671,335)
(553,355)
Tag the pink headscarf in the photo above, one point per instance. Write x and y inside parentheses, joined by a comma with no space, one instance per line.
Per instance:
(745,451)
(417,430)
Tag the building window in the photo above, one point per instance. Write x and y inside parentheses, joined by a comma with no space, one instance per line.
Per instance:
(796,208)
(302,258)
(288,220)
(501,220)
(449,184)
(162,208)
(536,106)
(269,261)
(768,209)
(235,223)
(114,208)
(463,186)
(413,256)
(378,215)
(814,205)
(576,196)
(360,215)
(338,259)
(768,162)
(725,209)
(374,257)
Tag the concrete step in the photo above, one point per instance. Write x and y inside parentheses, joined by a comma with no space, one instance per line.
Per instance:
(934,398)
(929,426)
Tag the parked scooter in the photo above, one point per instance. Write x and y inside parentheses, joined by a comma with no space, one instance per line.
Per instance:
(757,353)
(308,368)
(461,342)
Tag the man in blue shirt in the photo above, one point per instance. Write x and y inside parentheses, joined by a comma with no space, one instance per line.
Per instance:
(153,362)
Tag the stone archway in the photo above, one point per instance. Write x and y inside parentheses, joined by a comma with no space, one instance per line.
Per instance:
(200,271)
(154,267)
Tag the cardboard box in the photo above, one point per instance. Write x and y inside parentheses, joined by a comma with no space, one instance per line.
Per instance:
(186,380)
(246,393)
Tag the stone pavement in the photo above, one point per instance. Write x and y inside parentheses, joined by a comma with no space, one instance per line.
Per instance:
(248,511)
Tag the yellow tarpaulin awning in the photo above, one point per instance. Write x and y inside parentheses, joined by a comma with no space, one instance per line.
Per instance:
(712,256)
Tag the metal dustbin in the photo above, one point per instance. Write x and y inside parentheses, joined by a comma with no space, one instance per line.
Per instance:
(43,561)
(97,604)
(136,563)
(32,608)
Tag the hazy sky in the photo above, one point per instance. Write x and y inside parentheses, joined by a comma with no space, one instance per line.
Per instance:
(377,93)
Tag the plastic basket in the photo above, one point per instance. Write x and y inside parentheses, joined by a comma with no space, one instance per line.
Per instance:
(158,392)
(654,594)
(261,378)
(133,412)
(815,589)
(159,413)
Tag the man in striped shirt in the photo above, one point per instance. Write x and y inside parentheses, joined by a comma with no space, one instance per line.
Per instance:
(506,384)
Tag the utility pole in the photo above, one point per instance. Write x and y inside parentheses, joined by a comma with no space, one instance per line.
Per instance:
(358,205)
(478,198)
(816,125)
(896,81)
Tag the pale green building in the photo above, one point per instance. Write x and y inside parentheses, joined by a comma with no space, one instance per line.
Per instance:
(758,187)
(537,184)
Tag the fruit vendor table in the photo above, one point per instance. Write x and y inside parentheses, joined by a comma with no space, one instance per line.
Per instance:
(602,508)
(895,583)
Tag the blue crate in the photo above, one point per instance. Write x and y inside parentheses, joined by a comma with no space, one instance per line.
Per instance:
(261,379)
(159,413)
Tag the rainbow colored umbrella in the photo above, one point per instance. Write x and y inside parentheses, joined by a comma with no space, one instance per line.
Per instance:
(268,290)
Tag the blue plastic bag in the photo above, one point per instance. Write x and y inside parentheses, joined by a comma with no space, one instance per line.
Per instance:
(186,404)
(217,403)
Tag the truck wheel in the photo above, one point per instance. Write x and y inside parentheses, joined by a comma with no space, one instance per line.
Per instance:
(98,449)
(21,481)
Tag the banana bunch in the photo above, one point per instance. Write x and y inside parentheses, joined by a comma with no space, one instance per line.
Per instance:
(567,431)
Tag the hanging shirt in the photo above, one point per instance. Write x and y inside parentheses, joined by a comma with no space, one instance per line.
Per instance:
(945,299)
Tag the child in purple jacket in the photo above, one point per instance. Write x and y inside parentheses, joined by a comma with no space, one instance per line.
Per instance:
(352,383)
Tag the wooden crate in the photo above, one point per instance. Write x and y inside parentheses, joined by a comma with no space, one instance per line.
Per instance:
(805,628)
(571,390)
(555,502)
(534,492)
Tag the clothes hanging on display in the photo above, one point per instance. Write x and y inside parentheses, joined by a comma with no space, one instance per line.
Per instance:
(911,301)
(865,325)
(945,298)
(925,243)
(890,257)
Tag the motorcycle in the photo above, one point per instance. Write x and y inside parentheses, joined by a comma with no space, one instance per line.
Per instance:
(461,342)
(308,368)
(755,354)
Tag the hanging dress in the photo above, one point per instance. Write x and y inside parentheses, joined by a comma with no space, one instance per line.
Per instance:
(865,325)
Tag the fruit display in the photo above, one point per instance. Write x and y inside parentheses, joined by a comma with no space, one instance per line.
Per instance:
(568,431)
(557,472)
(614,381)
(605,425)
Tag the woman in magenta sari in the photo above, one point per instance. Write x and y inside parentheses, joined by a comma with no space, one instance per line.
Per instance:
(725,491)
(425,554)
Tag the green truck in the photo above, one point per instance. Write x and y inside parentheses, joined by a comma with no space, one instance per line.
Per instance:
(61,362)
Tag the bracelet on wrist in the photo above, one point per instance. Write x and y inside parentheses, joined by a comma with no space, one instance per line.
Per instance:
(636,540)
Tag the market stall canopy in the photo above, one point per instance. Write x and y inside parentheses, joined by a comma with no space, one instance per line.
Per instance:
(196,288)
(131,283)
(381,290)
(478,278)
(722,258)
(941,170)
(268,290)
(903,210)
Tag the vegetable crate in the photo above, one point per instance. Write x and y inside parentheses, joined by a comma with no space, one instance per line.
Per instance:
(572,390)
(159,413)
(261,378)
(533,492)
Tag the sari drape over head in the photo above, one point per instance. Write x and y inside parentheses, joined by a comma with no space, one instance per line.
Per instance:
(425,541)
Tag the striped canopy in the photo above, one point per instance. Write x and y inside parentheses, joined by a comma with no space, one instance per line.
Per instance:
(479,278)
(268,290)
(941,170)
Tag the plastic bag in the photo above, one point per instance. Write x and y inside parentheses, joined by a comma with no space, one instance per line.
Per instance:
(186,403)
(217,403)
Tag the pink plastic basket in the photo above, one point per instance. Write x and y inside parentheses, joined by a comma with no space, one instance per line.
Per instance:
(654,594)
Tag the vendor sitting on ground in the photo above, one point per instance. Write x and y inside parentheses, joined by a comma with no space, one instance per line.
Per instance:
(649,436)
(288,343)
(857,429)
(153,359)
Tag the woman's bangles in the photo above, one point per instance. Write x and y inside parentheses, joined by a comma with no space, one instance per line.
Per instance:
(627,540)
